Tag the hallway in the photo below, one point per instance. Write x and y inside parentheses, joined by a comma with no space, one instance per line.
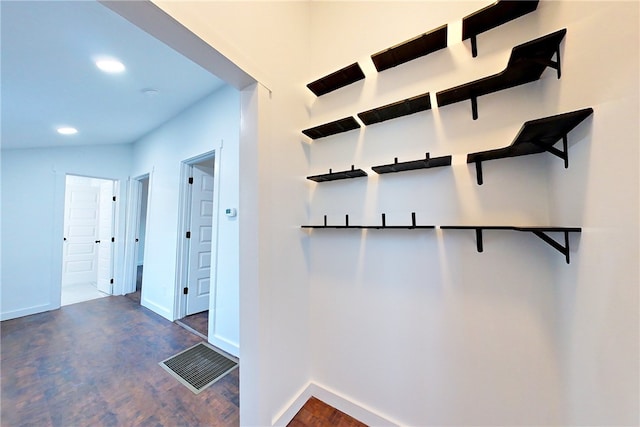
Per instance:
(96,363)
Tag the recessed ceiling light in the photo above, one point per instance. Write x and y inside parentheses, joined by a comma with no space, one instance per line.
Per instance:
(150,92)
(67,130)
(110,65)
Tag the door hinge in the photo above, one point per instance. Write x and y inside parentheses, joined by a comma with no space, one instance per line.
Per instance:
(114,198)
(190,180)
(111,281)
(185,291)
(113,239)
(188,234)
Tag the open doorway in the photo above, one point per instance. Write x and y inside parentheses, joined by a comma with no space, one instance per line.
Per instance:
(141,230)
(137,218)
(88,249)
(199,224)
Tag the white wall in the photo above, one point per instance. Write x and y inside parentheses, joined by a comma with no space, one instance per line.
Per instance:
(596,302)
(472,338)
(210,123)
(32,220)
(417,326)
(268,40)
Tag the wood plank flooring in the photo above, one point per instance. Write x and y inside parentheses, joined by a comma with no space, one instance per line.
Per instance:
(96,363)
(198,322)
(316,413)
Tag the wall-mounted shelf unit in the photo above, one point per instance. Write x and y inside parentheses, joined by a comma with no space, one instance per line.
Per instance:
(396,109)
(526,64)
(535,136)
(492,16)
(382,226)
(333,176)
(406,51)
(540,232)
(332,128)
(336,80)
(425,163)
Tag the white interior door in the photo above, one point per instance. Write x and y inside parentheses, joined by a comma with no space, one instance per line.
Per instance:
(201,227)
(80,233)
(106,237)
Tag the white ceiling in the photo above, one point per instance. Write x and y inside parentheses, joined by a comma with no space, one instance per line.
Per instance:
(49,78)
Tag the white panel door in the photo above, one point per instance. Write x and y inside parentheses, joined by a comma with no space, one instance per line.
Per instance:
(105,233)
(80,233)
(200,241)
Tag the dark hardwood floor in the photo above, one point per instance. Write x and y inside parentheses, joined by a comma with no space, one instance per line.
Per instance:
(96,363)
(198,322)
(316,413)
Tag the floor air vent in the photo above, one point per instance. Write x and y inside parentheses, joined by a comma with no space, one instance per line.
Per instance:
(198,367)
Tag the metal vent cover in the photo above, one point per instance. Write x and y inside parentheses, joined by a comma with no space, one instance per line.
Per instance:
(198,366)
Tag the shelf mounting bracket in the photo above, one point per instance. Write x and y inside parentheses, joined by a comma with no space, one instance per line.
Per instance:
(479,240)
(551,63)
(474,107)
(479,171)
(564,250)
(563,154)
(474,46)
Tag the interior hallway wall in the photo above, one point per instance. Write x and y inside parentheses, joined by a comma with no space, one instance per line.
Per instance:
(502,337)
(268,40)
(32,220)
(203,127)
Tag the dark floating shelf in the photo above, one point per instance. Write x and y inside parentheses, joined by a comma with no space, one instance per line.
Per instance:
(540,232)
(397,109)
(526,64)
(336,80)
(332,128)
(333,176)
(535,136)
(382,226)
(416,47)
(425,163)
(493,16)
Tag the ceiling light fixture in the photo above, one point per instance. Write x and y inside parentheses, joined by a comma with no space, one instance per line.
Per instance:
(150,92)
(67,130)
(110,65)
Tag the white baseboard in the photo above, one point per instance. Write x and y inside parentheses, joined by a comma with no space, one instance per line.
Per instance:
(8,315)
(332,398)
(225,344)
(158,309)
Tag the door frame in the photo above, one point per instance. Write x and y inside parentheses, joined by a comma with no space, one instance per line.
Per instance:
(134,192)
(61,178)
(182,246)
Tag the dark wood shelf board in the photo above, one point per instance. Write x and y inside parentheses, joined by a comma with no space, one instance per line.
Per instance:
(548,229)
(374,227)
(333,176)
(332,128)
(382,226)
(425,163)
(535,136)
(336,80)
(526,64)
(396,109)
(492,16)
(406,51)
(538,231)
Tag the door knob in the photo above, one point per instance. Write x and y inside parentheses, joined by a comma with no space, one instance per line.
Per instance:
(97,241)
